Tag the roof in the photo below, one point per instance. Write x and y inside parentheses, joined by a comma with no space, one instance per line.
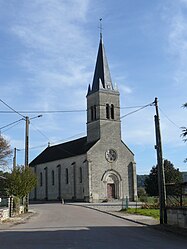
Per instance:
(102,78)
(62,151)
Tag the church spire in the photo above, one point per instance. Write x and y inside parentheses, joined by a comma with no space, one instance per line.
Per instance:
(102,78)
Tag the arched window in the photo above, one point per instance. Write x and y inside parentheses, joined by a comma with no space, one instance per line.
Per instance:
(80,175)
(94,116)
(92,113)
(67,176)
(112,111)
(107,111)
(53,177)
(41,179)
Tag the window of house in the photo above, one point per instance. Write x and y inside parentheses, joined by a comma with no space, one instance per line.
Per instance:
(80,175)
(112,111)
(67,176)
(41,179)
(92,113)
(107,111)
(53,177)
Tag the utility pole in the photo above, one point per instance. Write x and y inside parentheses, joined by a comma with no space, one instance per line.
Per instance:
(161,174)
(27,122)
(14,159)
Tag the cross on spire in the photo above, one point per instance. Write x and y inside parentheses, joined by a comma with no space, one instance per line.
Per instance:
(101,28)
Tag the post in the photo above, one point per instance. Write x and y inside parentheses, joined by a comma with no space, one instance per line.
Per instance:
(161,174)
(26,141)
(14,159)
(26,156)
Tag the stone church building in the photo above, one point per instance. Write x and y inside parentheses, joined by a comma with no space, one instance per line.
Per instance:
(97,167)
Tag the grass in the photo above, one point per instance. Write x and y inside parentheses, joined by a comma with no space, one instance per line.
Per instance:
(155,213)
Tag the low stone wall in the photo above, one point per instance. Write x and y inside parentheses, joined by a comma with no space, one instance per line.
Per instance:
(177,217)
(5,212)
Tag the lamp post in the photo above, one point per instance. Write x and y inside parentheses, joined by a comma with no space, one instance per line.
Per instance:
(27,122)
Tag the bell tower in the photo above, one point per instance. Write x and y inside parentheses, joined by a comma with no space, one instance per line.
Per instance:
(103,106)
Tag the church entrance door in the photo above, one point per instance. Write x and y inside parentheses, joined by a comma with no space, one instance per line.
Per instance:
(111,190)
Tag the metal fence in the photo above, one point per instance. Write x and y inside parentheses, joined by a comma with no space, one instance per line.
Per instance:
(177,194)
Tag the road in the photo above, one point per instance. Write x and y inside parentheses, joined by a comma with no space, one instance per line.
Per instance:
(57,226)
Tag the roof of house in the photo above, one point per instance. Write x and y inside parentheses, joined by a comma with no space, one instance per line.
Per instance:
(62,151)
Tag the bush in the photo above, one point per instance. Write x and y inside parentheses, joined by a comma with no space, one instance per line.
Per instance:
(142,195)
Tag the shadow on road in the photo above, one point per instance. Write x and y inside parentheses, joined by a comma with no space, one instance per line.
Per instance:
(90,238)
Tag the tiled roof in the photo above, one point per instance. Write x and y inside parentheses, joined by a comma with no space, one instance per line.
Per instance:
(64,150)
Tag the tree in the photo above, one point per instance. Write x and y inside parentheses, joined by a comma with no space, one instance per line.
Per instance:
(172,175)
(5,152)
(21,181)
(3,183)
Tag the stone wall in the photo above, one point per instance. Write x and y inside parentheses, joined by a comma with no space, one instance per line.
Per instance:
(177,216)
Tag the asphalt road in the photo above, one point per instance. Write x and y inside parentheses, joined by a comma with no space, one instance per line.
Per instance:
(66,226)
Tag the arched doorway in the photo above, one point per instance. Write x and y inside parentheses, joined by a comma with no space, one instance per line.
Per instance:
(112,184)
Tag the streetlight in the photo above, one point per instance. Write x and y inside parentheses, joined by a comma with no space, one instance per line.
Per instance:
(27,122)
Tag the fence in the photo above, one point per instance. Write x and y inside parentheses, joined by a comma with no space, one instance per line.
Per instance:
(176,194)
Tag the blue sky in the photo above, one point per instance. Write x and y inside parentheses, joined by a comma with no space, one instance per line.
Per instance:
(47,59)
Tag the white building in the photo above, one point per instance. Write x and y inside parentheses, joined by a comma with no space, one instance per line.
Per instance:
(96,167)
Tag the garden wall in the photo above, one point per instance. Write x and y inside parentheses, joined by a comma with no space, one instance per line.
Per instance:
(177,216)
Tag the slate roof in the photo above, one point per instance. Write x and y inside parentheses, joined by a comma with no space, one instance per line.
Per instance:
(102,78)
(62,151)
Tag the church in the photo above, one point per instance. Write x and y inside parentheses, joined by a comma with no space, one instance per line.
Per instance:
(95,168)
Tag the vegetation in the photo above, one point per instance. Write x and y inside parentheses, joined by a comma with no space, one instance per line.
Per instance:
(3,183)
(142,195)
(155,213)
(172,175)
(5,152)
(21,181)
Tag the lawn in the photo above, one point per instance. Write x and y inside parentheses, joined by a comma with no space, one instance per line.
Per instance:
(155,213)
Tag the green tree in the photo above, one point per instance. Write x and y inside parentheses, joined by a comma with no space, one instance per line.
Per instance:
(21,181)
(5,152)
(172,175)
(3,183)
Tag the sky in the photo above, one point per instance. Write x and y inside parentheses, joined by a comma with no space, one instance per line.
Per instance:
(48,51)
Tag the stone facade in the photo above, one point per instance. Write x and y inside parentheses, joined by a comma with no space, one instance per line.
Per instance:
(97,167)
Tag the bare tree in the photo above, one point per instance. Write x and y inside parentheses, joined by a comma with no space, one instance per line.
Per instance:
(5,152)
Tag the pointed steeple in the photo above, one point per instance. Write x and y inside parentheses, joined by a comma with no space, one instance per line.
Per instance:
(102,78)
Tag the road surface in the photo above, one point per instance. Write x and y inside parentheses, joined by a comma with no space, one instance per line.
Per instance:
(68,227)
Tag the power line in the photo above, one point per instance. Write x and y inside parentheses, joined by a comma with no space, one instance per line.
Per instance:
(169,118)
(10,124)
(151,104)
(58,111)
(12,108)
